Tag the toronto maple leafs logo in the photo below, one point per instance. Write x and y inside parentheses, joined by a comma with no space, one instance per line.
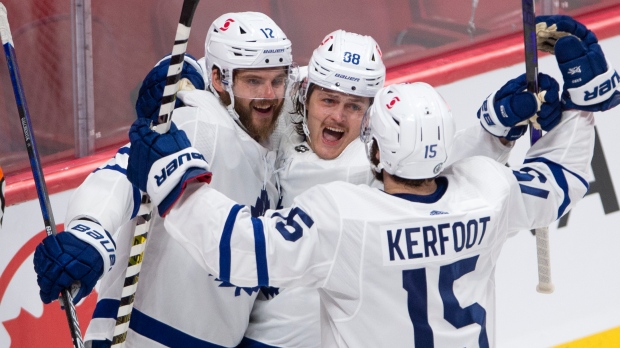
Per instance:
(247,290)
(575,70)
(301,148)
(262,204)
(269,292)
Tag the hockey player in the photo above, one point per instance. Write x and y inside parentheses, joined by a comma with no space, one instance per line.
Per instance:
(231,122)
(412,265)
(344,74)
(569,54)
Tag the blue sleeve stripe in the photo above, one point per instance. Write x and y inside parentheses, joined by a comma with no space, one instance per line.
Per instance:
(115,167)
(163,333)
(137,200)
(558,173)
(123,150)
(546,161)
(225,253)
(529,190)
(260,248)
(106,308)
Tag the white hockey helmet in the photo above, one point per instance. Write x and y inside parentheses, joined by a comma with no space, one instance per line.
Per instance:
(414,130)
(345,62)
(245,40)
(348,63)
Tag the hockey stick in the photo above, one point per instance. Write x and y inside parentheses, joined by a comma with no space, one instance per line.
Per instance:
(143,219)
(35,163)
(531,74)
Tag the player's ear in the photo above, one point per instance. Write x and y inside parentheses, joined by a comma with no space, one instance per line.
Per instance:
(216,78)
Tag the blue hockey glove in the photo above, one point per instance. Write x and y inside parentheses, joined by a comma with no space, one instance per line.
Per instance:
(150,94)
(69,258)
(590,82)
(162,164)
(512,105)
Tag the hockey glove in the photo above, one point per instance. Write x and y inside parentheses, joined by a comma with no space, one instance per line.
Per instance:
(590,82)
(504,112)
(77,256)
(162,164)
(150,94)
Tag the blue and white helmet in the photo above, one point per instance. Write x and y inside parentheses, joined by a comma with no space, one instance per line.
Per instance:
(414,130)
(348,63)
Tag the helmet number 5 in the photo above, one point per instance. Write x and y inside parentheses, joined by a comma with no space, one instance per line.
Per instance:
(351,58)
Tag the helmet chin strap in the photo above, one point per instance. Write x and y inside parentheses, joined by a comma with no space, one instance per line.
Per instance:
(377,168)
(304,121)
(230,107)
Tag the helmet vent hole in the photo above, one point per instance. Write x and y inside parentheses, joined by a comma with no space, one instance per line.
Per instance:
(353,88)
(266,61)
(330,48)
(337,84)
(281,60)
(242,31)
(395,120)
(439,133)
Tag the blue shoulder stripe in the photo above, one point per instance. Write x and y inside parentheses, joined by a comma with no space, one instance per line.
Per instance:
(260,248)
(225,254)
(115,167)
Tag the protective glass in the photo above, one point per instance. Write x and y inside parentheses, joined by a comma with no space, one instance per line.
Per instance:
(263,83)
(365,127)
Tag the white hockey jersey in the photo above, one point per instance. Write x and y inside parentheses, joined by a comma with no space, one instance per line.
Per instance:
(394,270)
(291,319)
(177,302)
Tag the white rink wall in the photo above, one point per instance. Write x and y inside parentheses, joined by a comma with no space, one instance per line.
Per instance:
(584,258)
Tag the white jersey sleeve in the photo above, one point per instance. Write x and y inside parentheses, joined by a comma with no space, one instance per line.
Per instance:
(106,196)
(475,141)
(555,172)
(279,249)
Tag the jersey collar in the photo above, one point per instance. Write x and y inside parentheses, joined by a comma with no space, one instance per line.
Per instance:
(442,186)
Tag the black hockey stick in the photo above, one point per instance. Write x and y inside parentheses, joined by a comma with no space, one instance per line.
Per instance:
(35,163)
(143,219)
(545,285)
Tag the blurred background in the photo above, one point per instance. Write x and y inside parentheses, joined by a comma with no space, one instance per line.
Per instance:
(82,62)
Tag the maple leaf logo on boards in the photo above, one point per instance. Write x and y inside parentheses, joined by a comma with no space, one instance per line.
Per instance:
(51,329)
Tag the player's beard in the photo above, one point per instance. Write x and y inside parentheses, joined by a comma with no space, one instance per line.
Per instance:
(260,132)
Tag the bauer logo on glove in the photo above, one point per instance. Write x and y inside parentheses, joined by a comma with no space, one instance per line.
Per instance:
(590,82)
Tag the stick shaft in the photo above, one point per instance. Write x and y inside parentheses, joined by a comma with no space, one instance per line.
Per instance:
(531,75)
(35,163)
(145,212)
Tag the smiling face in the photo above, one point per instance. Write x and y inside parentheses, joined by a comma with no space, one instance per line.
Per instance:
(334,120)
(259,98)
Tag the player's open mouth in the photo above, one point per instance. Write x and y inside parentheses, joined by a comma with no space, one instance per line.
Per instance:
(263,110)
(331,135)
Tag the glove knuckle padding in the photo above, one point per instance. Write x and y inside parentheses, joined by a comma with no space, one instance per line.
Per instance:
(63,259)
(152,89)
